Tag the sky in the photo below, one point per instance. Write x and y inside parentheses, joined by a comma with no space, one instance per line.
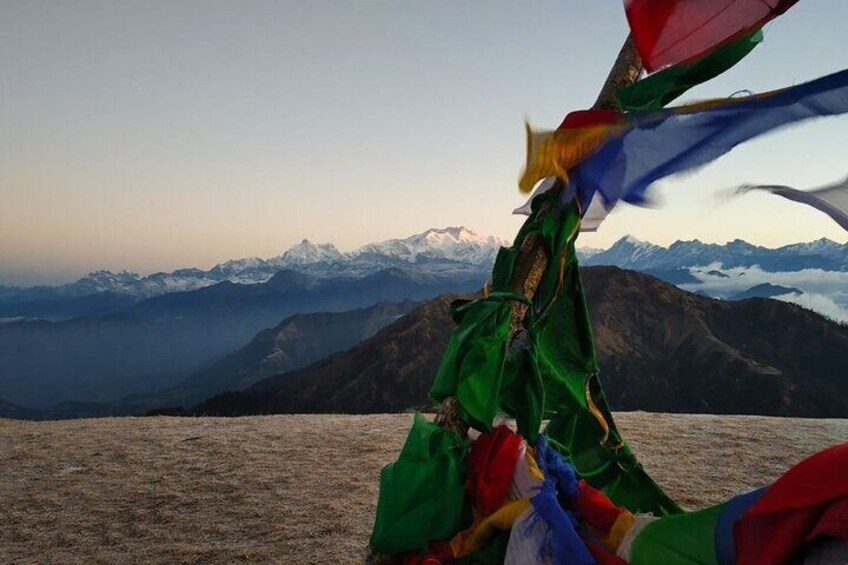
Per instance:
(151,135)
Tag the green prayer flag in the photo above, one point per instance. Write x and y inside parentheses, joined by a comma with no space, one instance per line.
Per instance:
(422,494)
(522,393)
(658,89)
(684,539)
(473,364)
(548,371)
(581,425)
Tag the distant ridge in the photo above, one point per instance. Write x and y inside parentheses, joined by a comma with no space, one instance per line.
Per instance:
(295,342)
(632,253)
(440,250)
(154,344)
(458,246)
(660,349)
(15,412)
(108,345)
(436,252)
(765,290)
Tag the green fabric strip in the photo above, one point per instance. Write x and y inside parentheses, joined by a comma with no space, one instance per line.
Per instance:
(685,539)
(473,364)
(657,90)
(547,371)
(565,353)
(422,494)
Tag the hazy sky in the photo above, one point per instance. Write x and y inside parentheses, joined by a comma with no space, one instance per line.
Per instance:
(154,135)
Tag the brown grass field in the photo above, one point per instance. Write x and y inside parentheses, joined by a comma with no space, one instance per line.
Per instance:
(297,489)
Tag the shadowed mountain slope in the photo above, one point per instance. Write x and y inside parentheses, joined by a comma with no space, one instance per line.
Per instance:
(157,343)
(15,412)
(659,348)
(295,342)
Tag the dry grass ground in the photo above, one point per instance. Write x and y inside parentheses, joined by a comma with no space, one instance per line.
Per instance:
(296,489)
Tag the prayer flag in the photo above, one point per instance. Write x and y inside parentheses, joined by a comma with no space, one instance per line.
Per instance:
(832,200)
(657,90)
(668,32)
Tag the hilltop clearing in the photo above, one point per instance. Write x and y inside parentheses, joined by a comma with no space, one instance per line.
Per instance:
(297,488)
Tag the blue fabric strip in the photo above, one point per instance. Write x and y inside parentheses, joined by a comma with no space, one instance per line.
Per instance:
(733,510)
(564,543)
(666,142)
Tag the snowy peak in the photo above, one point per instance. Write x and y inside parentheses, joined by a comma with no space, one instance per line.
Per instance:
(108,277)
(630,240)
(238,265)
(584,253)
(457,244)
(632,253)
(307,252)
(628,252)
(823,246)
(444,252)
(103,280)
(454,235)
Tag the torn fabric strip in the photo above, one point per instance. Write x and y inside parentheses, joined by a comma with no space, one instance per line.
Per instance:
(832,200)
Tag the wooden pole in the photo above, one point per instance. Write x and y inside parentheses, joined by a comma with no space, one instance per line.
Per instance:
(625,71)
(533,259)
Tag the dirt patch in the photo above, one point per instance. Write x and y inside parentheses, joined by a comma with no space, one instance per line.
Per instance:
(297,489)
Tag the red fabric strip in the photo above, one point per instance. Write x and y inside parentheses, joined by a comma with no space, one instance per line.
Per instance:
(491,464)
(810,499)
(595,508)
(669,32)
(586,118)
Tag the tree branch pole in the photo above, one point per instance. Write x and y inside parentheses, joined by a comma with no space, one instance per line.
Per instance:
(533,259)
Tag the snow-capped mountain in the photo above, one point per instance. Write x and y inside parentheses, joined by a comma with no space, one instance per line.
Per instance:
(435,252)
(459,245)
(629,252)
(441,254)
(307,253)
(812,274)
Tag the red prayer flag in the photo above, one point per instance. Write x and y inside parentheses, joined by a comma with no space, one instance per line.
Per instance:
(809,500)
(491,464)
(596,508)
(668,32)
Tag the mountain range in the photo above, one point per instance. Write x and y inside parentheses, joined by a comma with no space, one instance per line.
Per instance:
(105,338)
(632,253)
(156,343)
(436,253)
(659,348)
(442,253)
(813,275)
